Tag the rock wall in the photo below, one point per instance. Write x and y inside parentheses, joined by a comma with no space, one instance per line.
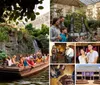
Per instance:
(15,46)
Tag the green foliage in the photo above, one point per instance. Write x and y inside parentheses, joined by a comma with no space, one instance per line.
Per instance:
(2,54)
(67,20)
(41,35)
(77,22)
(93,24)
(25,36)
(36,32)
(45,43)
(18,9)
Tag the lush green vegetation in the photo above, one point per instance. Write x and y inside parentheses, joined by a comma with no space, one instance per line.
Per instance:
(91,25)
(13,10)
(24,37)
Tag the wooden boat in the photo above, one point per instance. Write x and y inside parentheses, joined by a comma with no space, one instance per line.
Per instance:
(16,72)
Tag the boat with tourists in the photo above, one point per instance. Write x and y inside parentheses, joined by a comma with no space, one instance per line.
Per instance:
(17,72)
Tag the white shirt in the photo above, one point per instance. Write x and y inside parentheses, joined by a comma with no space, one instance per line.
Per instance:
(91,56)
(70,52)
(9,62)
(82,60)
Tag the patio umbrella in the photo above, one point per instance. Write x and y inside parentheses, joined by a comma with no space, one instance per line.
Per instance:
(2,54)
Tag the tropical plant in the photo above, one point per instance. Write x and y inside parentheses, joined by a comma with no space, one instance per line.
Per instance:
(67,20)
(2,54)
(17,9)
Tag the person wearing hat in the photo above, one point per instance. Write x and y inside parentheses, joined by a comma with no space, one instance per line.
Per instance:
(54,53)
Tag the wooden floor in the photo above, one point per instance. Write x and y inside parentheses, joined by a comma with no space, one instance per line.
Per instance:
(90,83)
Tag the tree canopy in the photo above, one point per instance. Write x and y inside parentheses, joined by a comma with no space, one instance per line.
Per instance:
(17,9)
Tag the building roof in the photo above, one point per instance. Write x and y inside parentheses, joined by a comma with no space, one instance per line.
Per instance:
(85,68)
(87,2)
(75,2)
(67,2)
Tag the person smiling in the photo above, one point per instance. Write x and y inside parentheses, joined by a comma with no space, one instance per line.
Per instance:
(92,55)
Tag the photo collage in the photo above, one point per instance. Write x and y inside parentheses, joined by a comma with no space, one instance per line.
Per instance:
(49,42)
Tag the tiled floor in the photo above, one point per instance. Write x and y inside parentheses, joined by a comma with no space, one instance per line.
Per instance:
(90,83)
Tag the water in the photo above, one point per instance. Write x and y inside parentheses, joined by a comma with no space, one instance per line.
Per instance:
(35,45)
(40,79)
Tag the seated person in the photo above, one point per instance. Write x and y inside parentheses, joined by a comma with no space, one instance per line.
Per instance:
(44,58)
(9,61)
(31,62)
(5,62)
(25,62)
(14,60)
(34,58)
(39,59)
(21,64)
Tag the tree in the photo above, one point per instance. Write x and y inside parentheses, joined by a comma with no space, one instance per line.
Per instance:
(18,9)
(44,30)
(40,35)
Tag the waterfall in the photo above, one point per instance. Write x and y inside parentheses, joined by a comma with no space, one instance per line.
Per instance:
(35,45)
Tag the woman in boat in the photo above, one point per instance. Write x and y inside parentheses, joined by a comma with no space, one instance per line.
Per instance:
(14,61)
(21,64)
(82,58)
(39,59)
(9,61)
(31,62)
(34,58)
(27,56)
(25,62)
(44,58)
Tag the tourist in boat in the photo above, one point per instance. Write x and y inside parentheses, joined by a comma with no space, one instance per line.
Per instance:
(34,57)
(44,58)
(21,64)
(82,58)
(92,55)
(14,60)
(27,56)
(39,59)
(25,62)
(31,62)
(5,62)
(31,55)
(9,61)
(63,34)
(55,31)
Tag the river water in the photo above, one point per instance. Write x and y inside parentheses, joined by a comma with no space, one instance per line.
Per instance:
(41,78)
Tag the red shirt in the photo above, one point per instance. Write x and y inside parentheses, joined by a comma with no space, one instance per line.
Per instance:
(31,62)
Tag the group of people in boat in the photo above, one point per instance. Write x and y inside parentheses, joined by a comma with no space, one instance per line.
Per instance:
(25,60)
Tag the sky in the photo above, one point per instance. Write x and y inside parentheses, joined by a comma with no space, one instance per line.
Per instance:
(46,5)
